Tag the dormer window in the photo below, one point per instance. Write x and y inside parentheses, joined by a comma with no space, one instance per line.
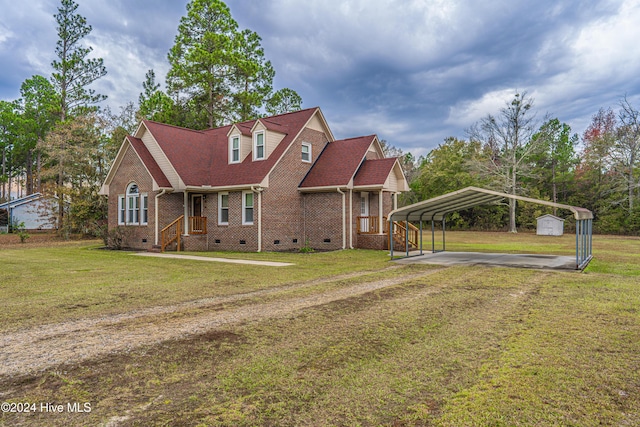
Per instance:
(234,149)
(258,146)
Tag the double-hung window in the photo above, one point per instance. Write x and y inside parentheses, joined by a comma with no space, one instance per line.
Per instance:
(223,208)
(306,152)
(133,207)
(247,208)
(133,204)
(121,210)
(144,203)
(258,149)
(234,145)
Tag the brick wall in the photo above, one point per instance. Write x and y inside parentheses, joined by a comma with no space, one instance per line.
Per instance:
(131,170)
(373,241)
(283,206)
(290,219)
(323,220)
(229,237)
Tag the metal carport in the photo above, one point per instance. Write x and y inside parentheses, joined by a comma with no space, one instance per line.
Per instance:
(437,208)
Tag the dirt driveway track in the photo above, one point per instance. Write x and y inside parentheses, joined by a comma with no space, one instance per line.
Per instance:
(35,349)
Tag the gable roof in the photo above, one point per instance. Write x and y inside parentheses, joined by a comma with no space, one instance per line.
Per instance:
(338,163)
(551,216)
(437,208)
(20,201)
(34,197)
(201,157)
(179,158)
(150,163)
(374,172)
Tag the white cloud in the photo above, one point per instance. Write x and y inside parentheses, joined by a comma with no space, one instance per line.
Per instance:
(5,34)
(466,113)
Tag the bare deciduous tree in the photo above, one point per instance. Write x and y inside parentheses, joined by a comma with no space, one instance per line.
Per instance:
(506,139)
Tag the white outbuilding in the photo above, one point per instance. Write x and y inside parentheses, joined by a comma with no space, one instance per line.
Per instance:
(36,212)
(550,225)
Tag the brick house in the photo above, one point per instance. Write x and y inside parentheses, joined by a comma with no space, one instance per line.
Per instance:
(276,184)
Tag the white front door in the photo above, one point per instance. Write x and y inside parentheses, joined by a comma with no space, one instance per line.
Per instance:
(364,212)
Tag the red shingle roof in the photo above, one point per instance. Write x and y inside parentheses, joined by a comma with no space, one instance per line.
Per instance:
(201,157)
(374,172)
(338,163)
(149,162)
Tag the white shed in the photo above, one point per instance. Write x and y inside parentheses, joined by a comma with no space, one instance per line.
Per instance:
(36,211)
(550,225)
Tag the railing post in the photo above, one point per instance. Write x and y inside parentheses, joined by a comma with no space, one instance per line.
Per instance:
(179,227)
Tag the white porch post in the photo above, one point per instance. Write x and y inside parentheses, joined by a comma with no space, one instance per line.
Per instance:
(260,220)
(350,219)
(380,211)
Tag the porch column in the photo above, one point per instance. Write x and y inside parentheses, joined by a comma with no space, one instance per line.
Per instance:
(350,219)
(380,202)
(186,213)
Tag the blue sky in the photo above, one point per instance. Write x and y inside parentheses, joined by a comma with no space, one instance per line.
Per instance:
(412,71)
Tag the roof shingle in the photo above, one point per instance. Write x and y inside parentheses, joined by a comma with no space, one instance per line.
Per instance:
(201,157)
(338,163)
(374,172)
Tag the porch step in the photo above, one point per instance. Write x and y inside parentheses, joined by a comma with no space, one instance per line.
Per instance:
(155,249)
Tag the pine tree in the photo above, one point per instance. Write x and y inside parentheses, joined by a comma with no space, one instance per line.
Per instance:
(74,71)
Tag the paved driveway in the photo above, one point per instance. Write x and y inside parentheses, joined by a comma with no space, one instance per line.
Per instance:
(554,262)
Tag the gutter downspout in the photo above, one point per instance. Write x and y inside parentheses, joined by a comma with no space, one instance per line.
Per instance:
(259,190)
(164,191)
(344,218)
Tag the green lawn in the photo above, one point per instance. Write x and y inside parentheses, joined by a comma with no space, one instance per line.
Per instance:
(462,346)
(48,284)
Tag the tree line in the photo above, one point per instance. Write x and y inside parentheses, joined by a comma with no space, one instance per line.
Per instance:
(517,153)
(56,139)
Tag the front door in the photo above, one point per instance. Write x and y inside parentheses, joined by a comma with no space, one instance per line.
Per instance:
(364,212)
(196,213)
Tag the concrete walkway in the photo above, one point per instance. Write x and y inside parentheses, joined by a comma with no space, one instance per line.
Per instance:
(206,258)
(553,262)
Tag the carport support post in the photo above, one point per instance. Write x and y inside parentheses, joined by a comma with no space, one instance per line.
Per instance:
(578,243)
(406,235)
(420,236)
(443,238)
(591,237)
(391,242)
(433,237)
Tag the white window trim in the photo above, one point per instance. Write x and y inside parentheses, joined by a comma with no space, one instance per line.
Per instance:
(231,138)
(255,145)
(144,211)
(244,207)
(122,212)
(132,205)
(220,222)
(306,144)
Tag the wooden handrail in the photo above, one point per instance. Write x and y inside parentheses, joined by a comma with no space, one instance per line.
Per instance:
(404,231)
(197,225)
(169,236)
(367,224)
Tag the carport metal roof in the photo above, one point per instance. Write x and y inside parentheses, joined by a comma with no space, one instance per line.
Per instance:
(437,208)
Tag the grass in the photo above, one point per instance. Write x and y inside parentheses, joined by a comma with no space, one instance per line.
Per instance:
(462,346)
(51,284)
